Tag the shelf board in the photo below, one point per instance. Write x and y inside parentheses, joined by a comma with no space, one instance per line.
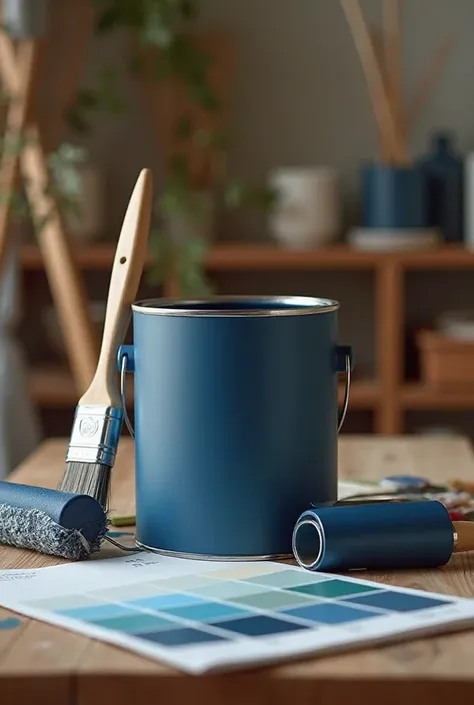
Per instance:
(229,257)
(419,396)
(54,388)
(234,256)
(445,257)
(270,257)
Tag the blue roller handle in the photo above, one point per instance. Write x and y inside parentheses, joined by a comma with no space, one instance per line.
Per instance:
(71,511)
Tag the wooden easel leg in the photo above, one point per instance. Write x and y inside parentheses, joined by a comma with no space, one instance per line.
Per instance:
(18,113)
(67,286)
(66,283)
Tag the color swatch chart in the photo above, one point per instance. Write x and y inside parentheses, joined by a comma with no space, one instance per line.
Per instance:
(201,617)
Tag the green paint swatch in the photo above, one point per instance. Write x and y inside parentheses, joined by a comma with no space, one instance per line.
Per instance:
(273,600)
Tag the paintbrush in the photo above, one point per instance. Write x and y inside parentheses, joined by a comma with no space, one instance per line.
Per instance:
(98,417)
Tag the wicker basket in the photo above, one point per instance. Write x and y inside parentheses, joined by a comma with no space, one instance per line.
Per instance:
(445,362)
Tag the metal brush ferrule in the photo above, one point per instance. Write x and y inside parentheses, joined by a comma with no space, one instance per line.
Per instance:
(95,435)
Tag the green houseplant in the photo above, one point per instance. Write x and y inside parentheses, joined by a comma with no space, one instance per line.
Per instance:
(185,209)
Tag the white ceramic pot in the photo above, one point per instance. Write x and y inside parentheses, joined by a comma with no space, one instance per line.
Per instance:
(26,18)
(307,211)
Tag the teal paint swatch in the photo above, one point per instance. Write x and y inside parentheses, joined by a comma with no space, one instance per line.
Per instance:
(330,613)
(332,589)
(91,614)
(205,612)
(134,623)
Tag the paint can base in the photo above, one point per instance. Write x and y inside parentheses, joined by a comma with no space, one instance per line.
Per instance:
(205,557)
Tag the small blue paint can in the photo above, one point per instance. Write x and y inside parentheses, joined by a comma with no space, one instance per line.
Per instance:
(236,421)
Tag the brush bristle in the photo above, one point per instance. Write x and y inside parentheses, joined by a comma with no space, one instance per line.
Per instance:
(92,479)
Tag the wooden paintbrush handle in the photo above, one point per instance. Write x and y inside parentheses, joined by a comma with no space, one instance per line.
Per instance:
(127,269)
(465,536)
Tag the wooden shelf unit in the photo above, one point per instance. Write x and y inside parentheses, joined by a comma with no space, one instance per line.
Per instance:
(387,396)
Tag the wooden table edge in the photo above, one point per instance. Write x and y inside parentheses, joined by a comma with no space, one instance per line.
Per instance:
(229,688)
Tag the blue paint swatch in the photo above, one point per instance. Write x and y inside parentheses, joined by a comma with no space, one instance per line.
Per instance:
(330,613)
(206,612)
(259,625)
(181,637)
(98,612)
(10,623)
(163,602)
(397,601)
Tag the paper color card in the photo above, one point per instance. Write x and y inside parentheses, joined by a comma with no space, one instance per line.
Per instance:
(204,616)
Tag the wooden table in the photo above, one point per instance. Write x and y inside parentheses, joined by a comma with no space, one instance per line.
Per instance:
(42,664)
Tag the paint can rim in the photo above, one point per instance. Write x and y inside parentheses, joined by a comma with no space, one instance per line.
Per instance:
(252,306)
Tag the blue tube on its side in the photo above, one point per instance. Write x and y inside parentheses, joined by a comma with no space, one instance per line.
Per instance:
(374,536)
(71,511)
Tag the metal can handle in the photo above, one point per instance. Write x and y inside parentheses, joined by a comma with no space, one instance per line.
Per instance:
(123,394)
(347,390)
(126,364)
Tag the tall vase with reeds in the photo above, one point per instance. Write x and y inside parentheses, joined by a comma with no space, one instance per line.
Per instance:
(393,186)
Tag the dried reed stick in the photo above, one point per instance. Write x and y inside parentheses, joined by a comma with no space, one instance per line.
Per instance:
(381,106)
(392,23)
(428,81)
(378,44)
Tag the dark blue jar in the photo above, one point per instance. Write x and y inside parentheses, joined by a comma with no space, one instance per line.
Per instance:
(444,176)
(393,197)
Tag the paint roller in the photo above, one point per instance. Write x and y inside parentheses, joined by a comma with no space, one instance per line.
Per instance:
(379,536)
(50,521)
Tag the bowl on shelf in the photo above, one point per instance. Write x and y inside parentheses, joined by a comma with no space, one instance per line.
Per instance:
(54,332)
(457,324)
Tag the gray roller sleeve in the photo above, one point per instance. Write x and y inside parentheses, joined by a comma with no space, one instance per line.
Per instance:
(35,530)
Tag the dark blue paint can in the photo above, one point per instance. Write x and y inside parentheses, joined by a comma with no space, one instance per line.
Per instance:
(236,421)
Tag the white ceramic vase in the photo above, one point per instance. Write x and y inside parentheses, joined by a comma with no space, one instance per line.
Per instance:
(307,211)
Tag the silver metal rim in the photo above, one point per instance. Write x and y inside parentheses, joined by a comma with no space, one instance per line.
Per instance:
(210,557)
(314,525)
(297,306)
